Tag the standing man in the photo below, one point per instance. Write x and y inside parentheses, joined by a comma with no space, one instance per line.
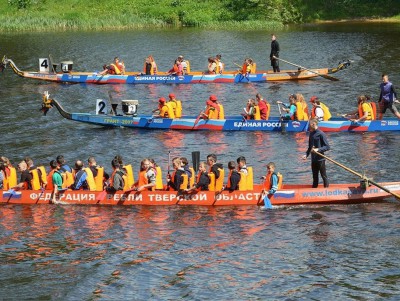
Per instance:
(387,98)
(317,142)
(274,53)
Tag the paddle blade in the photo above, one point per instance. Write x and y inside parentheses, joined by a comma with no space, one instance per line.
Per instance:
(196,160)
(329,77)
(101,196)
(267,202)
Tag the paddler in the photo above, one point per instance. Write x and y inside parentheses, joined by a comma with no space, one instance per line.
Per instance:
(364,112)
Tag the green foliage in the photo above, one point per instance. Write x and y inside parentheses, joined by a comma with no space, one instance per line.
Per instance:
(129,14)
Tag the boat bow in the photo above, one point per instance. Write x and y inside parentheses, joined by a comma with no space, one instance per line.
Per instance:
(340,66)
(6,61)
(48,103)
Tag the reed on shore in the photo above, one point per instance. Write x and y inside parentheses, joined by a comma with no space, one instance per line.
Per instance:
(54,15)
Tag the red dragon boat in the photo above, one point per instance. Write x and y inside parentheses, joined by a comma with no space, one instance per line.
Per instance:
(290,194)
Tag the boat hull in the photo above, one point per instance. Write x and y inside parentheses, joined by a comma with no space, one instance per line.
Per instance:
(94,78)
(235,123)
(289,195)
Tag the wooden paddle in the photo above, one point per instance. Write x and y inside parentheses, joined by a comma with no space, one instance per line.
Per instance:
(196,160)
(283,124)
(312,71)
(359,175)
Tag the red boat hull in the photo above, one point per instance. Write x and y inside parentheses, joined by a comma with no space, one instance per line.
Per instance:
(289,195)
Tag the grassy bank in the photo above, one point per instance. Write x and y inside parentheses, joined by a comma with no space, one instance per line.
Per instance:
(55,15)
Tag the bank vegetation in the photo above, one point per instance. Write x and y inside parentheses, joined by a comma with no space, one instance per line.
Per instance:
(55,15)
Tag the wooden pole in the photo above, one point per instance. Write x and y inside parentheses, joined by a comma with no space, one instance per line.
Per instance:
(359,175)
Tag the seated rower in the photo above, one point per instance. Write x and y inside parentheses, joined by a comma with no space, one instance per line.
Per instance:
(175,104)
(366,111)
(80,176)
(250,110)
(290,108)
(185,65)
(202,180)
(213,110)
(233,177)
(247,66)
(176,180)
(165,110)
(242,167)
(319,110)
(25,181)
(176,69)
(150,66)
(302,107)
(116,67)
(55,177)
(116,180)
(263,106)
(212,67)
(147,177)
(220,64)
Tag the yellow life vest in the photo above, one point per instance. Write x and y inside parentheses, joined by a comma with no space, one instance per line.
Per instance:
(257,114)
(221,112)
(211,186)
(369,110)
(212,113)
(11,180)
(35,182)
(98,180)
(327,113)
(116,69)
(187,69)
(191,180)
(219,183)
(280,180)
(129,180)
(185,181)
(253,68)
(43,176)
(178,110)
(90,179)
(159,181)
(170,107)
(249,184)
(299,111)
(217,68)
(242,182)
(68,179)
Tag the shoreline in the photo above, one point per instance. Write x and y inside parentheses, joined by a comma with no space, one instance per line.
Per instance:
(229,25)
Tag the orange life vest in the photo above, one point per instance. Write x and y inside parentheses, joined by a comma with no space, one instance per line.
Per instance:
(143,180)
(50,185)
(268,181)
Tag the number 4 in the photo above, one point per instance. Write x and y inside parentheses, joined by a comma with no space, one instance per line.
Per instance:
(44,64)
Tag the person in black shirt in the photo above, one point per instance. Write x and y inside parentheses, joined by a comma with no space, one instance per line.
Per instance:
(175,181)
(26,176)
(274,53)
(233,178)
(317,142)
(203,179)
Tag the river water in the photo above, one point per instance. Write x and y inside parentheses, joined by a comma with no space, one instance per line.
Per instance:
(239,253)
